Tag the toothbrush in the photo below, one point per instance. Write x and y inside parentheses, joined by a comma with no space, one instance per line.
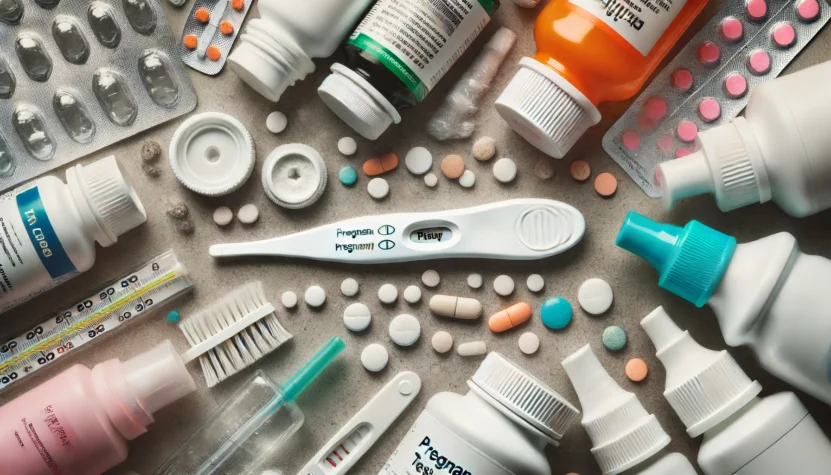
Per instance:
(521,229)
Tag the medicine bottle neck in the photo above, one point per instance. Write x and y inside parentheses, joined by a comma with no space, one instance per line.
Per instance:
(723,425)
(481,402)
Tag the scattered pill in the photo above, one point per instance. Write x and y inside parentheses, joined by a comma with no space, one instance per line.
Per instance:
(605,185)
(759,62)
(213,53)
(503,285)
(455,307)
(347,146)
(223,216)
(784,35)
(412,294)
(289,299)
(636,369)
(418,161)
(474,281)
(504,170)
(544,169)
(248,214)
(468,179)
(511,317)
(442,342)
(430,278)
(529,343)
(595,296)
(580,170)
(405,330)
(173,316)
(472,348)
(556,313)
(357,317)
(276,122)
(380,165)
(202,15)
(484,149)
(315,296)
(735,85)
(708,53)
(709,110)
(226,28)
(535,283)
(807,10)
(682,79)
(757,9)
(388,294)
(190,42)
(238,5)
(614,338)
(348,176)
(687,131)
(453,166)
(349,287)
(731,29)
(431,180)
(375,357)
(378,188)
(631,139)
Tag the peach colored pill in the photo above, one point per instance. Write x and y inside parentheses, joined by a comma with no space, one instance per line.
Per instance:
(631,140)
(605,184)
(580,170)
(202,15)
(708,52)
(655,108)
(758,62)
(512,316)
(190,41)
(636,369)
(731,29)
(380,165)
(238,5)
(709,109)
(687,131)
(682,79)
(664,142)
(757,9)
(807,10)
(453,166)
(213,53)
(226,27)
(735,85)
(784,35)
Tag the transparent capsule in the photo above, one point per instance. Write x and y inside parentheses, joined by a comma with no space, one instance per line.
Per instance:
(11,11)
(6,159)
(29,124)
(115,97)
(157,77)
(33,57)
(7,81)
(103,24)
(141,15)
(47,4)
(70,39)
(74,116)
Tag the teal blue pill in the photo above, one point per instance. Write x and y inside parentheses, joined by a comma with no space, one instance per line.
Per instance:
(556,313)
(614,338)
(348,176)
(173,316)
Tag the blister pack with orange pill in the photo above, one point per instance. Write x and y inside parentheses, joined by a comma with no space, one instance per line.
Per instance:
(210,32)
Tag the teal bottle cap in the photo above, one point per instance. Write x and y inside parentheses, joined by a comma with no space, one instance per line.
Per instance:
(691,260)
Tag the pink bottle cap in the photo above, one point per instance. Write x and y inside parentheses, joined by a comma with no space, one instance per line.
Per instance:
(784,35)
(731,29)
(709,109)
(687,131)
(664,142)
(735,85)
(807,10)
(757,9)
(682,79)
(759,62)
(631,140)
(708,53)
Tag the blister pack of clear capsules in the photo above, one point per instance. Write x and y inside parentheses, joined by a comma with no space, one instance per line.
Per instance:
(78,75)
(746,44)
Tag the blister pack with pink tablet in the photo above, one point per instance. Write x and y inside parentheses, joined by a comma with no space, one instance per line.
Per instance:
(746,44)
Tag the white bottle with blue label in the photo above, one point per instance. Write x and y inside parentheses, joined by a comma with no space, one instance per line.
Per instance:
(48,229)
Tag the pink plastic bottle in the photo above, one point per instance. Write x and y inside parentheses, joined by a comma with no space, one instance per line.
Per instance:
(79,422)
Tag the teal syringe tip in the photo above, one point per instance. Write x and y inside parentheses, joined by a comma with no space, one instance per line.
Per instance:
(312,369)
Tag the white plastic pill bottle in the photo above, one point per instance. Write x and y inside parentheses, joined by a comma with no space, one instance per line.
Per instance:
(500,427)
(48,229)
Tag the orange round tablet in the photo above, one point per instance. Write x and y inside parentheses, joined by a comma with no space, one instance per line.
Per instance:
(202,15)
(580,170)
(213,53)
(636,369)
(453,166)
(190,41)
(605,184)
(226,27)
(238,5)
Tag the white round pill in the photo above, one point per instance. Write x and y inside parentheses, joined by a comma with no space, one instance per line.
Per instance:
(535,283)
(431,180)
(357,317)
(418,161)
(529,343)
(503,285)
(468,179)
(412,294)
(388,294)
(375,357)
(430,278)
(248,214)
(484,149)
(504,170)
(347,146)
(595,296)
(378,188)
(349,287)
(289,299)
(442,342)
(405,330)
(315,296)
(276,122)
(223,216)
(474,281)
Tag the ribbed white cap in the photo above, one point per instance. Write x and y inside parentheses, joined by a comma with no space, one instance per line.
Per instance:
(524,396)
(622,432)
(546,110)
(703,386)
(357,103)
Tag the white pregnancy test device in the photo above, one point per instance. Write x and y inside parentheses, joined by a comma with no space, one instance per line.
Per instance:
(521,229)
(355,438)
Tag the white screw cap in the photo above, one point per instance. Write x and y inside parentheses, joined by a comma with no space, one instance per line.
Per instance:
(357,103)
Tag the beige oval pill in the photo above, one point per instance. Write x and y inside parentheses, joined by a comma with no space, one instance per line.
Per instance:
(472,348)
(455,307)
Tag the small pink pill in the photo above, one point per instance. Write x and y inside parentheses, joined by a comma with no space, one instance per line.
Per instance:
(759,62)
(631,140)
(664,142)
(645,122)
(735,85)
(732,29)
(757,9)
(683,152)
(687,131)
(708,52)
(783,35)
(682,79)
(807,10)
(655,108)
(709,109)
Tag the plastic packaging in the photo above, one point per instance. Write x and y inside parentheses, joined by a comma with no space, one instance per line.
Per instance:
(79,422)
(224,22)
(277,49)
(745,45)
(393,64)
(766,294)
(588,52)
(626,438)
(78,76)
(743,434)
(51,227)
(779,150)
(456,433)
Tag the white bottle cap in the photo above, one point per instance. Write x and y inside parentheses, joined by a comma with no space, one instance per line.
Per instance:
(519,395)
(357,102)
(294,176)
(703,386)
(545,109)
(106,198)
(157,377)
(622,432)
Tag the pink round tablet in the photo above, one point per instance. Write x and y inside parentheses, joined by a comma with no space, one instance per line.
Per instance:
(682,79)
(731,29)
(708,52)
(783,35)
(735,85)
(758,62)
(655,108)
(757,9)
(683,152)
(631,140)
(664,142)
(709,109)
(807,10)
(687,131)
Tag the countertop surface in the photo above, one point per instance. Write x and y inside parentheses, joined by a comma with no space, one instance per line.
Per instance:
(345,387)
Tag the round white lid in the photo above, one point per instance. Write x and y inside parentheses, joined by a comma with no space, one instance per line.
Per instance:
(212,154)
(294,176)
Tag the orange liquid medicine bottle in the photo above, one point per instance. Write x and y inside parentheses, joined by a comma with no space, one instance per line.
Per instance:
(588,52)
